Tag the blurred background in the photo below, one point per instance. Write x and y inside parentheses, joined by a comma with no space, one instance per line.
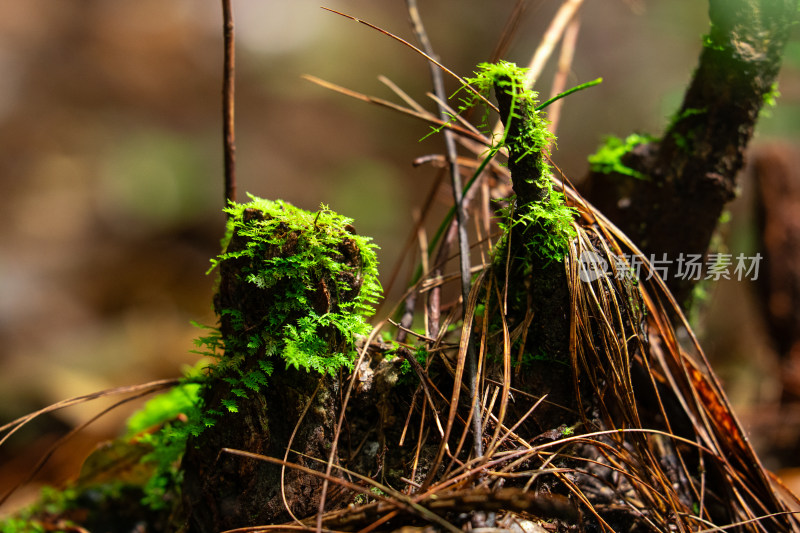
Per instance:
(111,173)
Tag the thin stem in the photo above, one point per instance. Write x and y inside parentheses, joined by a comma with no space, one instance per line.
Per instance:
(509,31)
(568,92)
(229,140)
(551,37)
(461,219)
(564,64)
(545,49)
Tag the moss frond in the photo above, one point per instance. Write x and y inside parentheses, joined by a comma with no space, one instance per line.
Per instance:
(608,157)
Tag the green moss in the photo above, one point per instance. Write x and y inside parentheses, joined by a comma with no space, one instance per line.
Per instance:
(284,258)
(406,372)
(547,220)
(20,525)
(533,138)
(685,141)
(34,519)
(686,113)
(165,407)
(770,100)
(291,329)
(608,157)
(531,142)
(709,42)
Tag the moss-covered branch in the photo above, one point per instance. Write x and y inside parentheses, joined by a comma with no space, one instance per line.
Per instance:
(543,217)
(690,172)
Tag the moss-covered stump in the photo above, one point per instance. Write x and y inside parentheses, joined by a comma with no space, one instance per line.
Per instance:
(293,289)
(530,260)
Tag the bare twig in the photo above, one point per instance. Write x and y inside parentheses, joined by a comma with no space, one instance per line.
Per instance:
(229,139)
(509,31)
(461,218)
(564,65)
(425,116)
(139,390)
(420,52)
(559,23)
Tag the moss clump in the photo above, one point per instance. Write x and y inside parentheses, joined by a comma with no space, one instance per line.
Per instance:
(539,210)
(295,288)
(162,427)
(317,275)
(608,158)
(771,96)
(526,132)
(45,515)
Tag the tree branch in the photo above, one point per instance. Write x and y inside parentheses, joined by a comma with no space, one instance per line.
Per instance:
(690,173)
(229,141)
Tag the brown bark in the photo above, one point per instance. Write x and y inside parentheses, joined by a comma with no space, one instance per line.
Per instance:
(538,297)
(775,170)
(691,171)
(221,491)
